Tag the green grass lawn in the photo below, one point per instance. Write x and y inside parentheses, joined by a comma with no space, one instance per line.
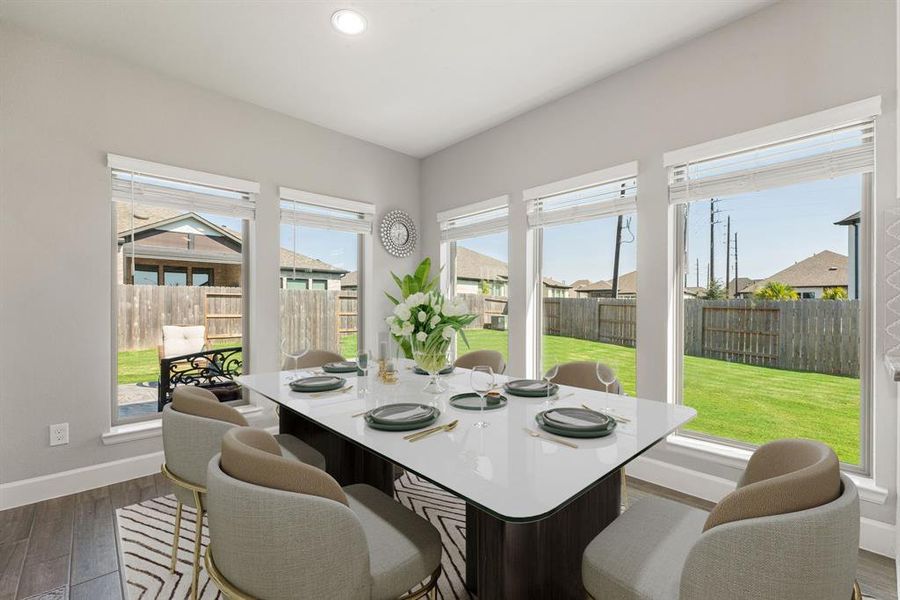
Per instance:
(734,401)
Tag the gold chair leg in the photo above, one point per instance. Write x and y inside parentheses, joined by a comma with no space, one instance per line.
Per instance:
(177,537)
(198,535)
(857,592)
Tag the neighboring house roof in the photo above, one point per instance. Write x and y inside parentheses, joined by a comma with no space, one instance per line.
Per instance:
(823,269)
(849,220)
(550,282)
(475,265)
(742,284)
(597,286)
(350,280)
(628,283)
(151,217)
(580,283)
(695,291)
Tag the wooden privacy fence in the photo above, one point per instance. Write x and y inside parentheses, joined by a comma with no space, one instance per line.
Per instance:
(821,336)
(486,306)
(318,318)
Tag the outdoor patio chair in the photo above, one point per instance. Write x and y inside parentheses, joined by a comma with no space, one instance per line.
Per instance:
(790,531)
(178,340)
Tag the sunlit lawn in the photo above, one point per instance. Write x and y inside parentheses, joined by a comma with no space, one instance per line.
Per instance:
(734,401)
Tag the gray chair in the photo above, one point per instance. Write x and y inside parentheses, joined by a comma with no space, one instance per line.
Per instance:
(312,359)
(583,374)
(488,358)
(192,429)
(790,531)
(281,530)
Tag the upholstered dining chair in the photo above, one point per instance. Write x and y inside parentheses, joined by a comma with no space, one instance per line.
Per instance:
(280,530)
(313,358)
(192,429)
(476,358)
(583,374)
(790,531)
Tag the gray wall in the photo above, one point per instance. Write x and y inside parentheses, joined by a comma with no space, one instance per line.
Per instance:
(785,61)
(62,111)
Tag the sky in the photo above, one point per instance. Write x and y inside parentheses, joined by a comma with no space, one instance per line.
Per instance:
(337,248)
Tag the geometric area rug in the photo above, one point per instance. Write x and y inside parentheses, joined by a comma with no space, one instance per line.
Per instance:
(146,530)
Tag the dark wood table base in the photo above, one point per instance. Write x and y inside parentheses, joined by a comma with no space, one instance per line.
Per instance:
(540,559)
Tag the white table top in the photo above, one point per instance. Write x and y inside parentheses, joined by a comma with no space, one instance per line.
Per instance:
(500,468)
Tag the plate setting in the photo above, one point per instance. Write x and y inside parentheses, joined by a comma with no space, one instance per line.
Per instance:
(575,422)
(471,401)
(345,366)
(403,416)
(319,383)
(530,388)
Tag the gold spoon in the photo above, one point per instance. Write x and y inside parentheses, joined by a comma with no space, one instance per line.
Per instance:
(424,434)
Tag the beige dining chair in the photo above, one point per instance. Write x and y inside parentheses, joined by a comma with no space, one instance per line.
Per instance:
(790,531)
(487,358)
(281,530)
(192,429)
(583,374)
(312,359)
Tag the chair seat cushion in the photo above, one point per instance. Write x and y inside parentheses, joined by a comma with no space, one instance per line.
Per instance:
(640,555)
(293,447)
(404,548)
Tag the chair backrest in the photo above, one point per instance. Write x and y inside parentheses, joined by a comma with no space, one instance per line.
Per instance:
(488,358)
(178,340)
(804,555)
(312,359)
(192,434)
(253,455)
(781,477)
(280,545)
(583,374)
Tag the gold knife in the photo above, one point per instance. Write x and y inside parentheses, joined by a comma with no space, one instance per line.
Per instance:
(448,427)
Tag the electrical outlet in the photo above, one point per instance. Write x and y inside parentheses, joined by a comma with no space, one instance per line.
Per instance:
(59,434)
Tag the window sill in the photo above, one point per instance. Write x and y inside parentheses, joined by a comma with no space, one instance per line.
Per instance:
(131,432)
(869,490)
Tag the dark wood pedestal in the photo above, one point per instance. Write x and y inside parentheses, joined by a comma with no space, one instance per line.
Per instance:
(504,560)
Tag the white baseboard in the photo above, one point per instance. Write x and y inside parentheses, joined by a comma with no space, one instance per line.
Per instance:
(36,489)
(874,536)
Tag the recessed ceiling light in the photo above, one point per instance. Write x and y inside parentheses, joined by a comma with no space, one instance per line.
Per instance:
(348,21)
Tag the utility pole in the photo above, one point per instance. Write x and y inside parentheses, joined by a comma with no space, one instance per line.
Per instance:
(697,272)
(735,265)
(712,242)
(615,277)
(727,254)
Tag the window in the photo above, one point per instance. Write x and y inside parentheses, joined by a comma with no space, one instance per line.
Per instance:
(476,248)
(585,241)
(171,235)
(322,241)
(776,312)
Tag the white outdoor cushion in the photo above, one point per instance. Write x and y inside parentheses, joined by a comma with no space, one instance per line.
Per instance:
(178,340)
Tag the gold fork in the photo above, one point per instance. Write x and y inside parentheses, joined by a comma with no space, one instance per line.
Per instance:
(537,434)
(424,434)
(615,417)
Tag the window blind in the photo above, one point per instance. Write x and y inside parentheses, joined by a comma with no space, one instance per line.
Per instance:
(594,202)
(311,215)
(475,224)
(145,188)
(846,150)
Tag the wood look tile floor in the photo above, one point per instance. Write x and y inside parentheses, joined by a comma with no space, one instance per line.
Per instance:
(67,548)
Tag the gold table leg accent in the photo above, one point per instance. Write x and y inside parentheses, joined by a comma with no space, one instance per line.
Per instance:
(624,500)
(177,537)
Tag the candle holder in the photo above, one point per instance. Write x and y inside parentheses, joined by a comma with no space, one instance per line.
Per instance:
(386,372)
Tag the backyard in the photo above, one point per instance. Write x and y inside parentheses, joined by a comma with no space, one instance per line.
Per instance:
(735,401)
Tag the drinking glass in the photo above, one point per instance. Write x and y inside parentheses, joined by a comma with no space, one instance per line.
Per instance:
(295,350)
(605,375)
(549,375)
(482,380)
(363,362)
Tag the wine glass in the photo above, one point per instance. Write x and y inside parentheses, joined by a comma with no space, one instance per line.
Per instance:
(549,375)
(482,380)
(363,362)
(605,375)
(294,349)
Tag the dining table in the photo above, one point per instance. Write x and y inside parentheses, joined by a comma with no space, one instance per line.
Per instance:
(532,503)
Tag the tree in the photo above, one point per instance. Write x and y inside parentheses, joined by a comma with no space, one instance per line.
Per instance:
(775,290)
(485,287)
(835,293)
(716,291)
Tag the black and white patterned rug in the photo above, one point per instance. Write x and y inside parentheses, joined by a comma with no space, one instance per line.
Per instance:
(146,530)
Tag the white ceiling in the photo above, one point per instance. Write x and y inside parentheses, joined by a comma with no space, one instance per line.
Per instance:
(424,75)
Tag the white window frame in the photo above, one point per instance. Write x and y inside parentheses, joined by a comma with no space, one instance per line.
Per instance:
(535,317)
(146,426)
(365,247)
(825,120)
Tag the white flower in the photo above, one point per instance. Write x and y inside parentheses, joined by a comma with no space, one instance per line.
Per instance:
(406,328)
(455,307)
(434,321)
(448,333)
(422,316)
(395,329)
(390,320)
(421,336)
(402,311)
(415,299)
